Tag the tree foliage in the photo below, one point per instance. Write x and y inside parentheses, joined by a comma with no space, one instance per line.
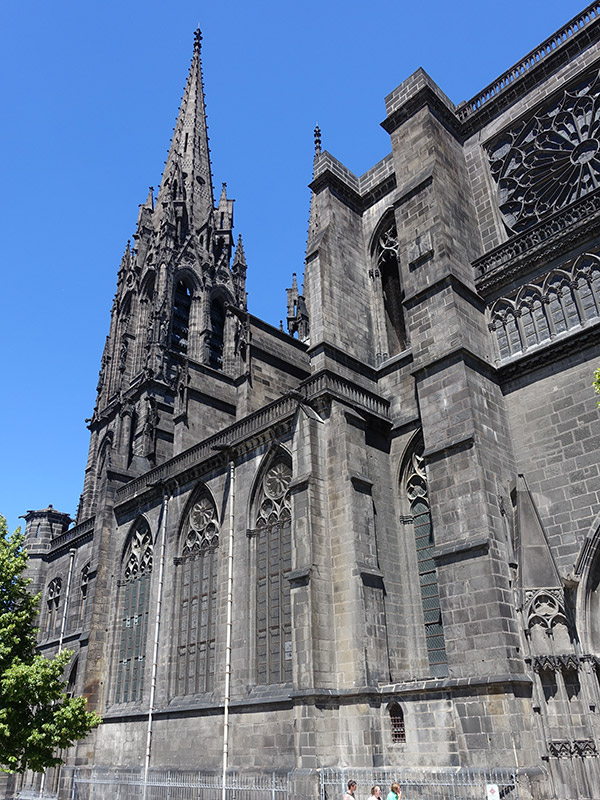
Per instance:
(596,383)
(37,718)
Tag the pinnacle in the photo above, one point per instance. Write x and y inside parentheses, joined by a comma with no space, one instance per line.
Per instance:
(197,41)
(187,175)
(317,135)
(240,257)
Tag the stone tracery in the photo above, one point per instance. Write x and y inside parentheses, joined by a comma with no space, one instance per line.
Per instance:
(551,159)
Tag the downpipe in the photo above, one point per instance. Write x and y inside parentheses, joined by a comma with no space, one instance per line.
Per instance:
(161,570)
(229,626)
(63,627)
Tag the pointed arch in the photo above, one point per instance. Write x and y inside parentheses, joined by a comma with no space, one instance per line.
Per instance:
(182,304)
(134,601)
(414,491)
(271,526)
(587,569)
(396,722)
(389,295)
(53,601)
(195,621)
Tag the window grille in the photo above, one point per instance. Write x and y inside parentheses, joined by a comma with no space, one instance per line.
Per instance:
(134,614)
(197,591)
(397,724)
(274,562)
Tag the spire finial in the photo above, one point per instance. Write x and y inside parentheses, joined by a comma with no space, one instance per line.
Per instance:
(197,40)
(317,140)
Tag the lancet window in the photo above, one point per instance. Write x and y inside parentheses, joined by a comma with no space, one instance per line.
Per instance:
(417,494)
(53,604)
(182,302)
(273,563)
(217,334)
(83,589)
(135,602)
(196,615)
(389,294)
(397,724)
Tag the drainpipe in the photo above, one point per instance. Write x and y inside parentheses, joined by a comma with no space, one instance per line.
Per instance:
(61,637)
(161,569)
(229,626)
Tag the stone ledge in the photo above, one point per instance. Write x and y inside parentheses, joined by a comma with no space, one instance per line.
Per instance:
(471,548)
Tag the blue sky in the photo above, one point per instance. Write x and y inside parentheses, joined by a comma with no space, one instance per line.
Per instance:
(90,95)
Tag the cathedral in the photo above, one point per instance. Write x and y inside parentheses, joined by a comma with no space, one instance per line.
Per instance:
(367,546)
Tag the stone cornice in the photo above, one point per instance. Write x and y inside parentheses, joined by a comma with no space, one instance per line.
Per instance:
(555,236)
(550,352)
(73,537)
(249,432)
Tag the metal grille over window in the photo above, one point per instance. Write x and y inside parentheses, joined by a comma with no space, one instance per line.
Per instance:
(417,493)
(197,593)
(135,600)
(53,603)
(397,724)
(274,562)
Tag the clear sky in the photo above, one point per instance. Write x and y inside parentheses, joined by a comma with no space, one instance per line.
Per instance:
(90,93)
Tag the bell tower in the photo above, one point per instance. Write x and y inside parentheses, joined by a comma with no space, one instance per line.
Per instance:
(176,317)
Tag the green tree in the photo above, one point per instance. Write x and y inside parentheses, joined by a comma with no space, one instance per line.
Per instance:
(596,382)
(36,716)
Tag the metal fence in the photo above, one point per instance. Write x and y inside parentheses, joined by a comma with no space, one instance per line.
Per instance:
(423,784)
(104,783)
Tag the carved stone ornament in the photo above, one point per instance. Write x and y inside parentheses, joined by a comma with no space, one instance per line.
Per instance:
(275,505)
(545,607)
(54,588)
(139,561)
(551,159)
(555,663)
(565,748)
(202,528)
(416,481)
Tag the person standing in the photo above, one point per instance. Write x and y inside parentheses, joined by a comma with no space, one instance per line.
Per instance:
(376,792)
(395,792)
(349,793)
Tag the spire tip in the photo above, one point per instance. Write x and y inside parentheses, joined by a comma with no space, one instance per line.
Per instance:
(317,134)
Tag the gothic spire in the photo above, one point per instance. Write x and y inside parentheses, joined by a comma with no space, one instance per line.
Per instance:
(186,189)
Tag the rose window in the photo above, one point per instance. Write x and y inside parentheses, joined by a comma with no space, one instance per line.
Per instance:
(550,160)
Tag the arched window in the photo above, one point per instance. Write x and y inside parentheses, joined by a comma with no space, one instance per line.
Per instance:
(387,271)
(217,334)
(273,564)
(135,601)
(196,612)
(415,484)
(182,302)
(397,724)
(83,590)
(53,604)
